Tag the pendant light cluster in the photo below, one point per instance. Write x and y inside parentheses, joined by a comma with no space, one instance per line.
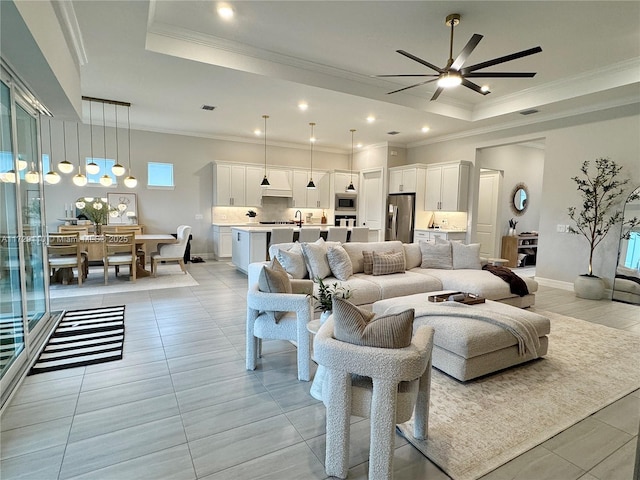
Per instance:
(92,168)
(351,188)
(312,139)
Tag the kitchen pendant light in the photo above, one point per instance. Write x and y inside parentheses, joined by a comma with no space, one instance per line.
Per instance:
(312,139)
(79,179)
(105,180)
(351,188)
(118,170)
(130,181)
(92,167)
(265,182)
(52,177)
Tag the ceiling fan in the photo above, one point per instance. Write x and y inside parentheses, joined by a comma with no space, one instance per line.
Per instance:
(455,74)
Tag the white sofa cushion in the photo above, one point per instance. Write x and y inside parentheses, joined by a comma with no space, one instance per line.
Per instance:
(465,256)
(400,284)
(436,255)
(412,255)
(363,292)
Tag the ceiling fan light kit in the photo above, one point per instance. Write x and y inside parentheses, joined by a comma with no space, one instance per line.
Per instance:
(454,73)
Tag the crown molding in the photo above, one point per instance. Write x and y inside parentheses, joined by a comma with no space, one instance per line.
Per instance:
(71,27)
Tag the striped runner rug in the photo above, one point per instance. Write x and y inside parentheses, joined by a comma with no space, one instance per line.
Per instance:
(83,337)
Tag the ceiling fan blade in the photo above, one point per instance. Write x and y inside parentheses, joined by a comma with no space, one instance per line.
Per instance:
(411,86)
(496,61)
(408,75)
(473,86)
(436,94)
(466,51)
(419,60)
(501,75)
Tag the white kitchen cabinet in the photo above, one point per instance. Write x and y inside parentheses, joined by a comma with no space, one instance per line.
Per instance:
(222,242)
(299,188)
(406,179)
(341,181)
(228,184)
(447,187)
(306,198)
(253,178)
(431,235)
(248,246)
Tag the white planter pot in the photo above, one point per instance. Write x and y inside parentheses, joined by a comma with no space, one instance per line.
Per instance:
(324,316)
(591,288)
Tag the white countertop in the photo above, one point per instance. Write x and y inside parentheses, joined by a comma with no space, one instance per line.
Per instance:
(443,230)
(262,228)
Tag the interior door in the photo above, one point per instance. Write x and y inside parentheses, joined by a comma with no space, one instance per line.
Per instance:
(486,227)
(372,200)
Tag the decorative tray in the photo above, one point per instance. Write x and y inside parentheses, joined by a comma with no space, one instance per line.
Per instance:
(460,297)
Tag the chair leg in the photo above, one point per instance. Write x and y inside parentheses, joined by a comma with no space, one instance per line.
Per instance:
(182,265)
(338,424)
(252,346)
(106,273)
(133,271)
(383,425)
(80,274)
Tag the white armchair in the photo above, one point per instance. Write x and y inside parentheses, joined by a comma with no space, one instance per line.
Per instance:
(168,252)
(292,326)
(398,384)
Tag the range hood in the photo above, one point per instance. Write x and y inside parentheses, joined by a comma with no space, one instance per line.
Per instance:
(280,184)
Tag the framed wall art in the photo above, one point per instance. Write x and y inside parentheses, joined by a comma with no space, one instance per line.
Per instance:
(123,209)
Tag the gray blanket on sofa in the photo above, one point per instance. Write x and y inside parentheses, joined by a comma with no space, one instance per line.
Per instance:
(523,330)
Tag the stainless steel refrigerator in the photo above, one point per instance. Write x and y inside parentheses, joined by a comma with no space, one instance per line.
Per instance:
(400,217)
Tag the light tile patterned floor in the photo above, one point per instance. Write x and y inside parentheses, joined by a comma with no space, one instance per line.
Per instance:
(181,405)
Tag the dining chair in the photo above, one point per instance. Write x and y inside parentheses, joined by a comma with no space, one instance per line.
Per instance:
(64,251)
(108,229)
(337,234)
(119,249)
(81,229)
(141,252)
(168,252)
(359,234)
(309,234)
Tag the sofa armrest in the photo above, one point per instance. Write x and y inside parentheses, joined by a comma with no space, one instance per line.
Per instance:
(277,302)
(254,272)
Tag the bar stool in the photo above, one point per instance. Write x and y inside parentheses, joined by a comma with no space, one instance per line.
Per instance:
(309,234)
(359,234)
(337,234)
(281,235)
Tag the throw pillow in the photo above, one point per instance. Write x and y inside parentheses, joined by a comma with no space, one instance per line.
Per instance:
(436,256)
(292,261)
(388,263)
(339,262)
(412,255)
(274,279)
(360,327)
(367,257)
(315,256)
(466,256)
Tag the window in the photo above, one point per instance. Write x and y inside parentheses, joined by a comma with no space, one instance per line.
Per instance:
(46,164)
(105,165)
(160,175)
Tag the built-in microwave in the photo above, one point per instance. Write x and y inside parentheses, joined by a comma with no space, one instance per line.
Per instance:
(346,202)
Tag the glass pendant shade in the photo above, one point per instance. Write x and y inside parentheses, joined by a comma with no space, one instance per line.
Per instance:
(130,181)
(92,168)
(32,176)
(80,180)
(118,170)
(9,177)
(22,164)
(52,178)
(65,166)
(106,180)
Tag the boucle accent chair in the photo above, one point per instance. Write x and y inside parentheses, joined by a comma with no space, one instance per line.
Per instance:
(172,252)
(398,385)
(292,326)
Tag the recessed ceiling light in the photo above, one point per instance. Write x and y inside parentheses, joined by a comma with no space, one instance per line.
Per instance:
(257,131)
(359,145)
(225,11)
(371,119)
(303,106)
(425,129)
(484,88)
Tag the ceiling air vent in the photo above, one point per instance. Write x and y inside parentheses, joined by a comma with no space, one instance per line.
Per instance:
(393,132)
(529,112)
(208,107)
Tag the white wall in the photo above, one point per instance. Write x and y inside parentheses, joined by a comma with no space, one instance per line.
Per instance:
(568,142)
(162,211)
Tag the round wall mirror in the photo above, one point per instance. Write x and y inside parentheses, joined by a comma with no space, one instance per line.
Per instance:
(520,198)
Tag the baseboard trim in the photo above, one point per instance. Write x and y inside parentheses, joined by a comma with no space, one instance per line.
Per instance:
(550,282)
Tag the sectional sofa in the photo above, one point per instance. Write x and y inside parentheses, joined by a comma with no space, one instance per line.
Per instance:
(367,289)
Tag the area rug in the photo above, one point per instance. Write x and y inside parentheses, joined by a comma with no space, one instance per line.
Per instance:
(475,427)
(169,276)
(83,337)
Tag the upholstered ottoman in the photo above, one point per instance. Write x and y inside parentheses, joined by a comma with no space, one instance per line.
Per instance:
(466,347)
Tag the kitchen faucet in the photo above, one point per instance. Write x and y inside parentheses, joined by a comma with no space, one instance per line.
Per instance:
(296,216)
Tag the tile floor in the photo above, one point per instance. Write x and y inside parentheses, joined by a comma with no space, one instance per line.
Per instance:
(181,405)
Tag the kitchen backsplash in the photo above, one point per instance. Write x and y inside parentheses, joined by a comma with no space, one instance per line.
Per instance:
(272,209)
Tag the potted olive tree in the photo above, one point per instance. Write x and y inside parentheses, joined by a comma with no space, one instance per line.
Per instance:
(601,192)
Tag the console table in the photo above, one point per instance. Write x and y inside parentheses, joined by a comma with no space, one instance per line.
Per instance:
(512,246)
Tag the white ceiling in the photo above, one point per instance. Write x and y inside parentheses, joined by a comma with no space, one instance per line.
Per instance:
(168,58)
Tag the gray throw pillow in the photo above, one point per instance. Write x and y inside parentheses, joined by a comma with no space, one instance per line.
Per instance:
(466,256)
(339,262)
(436,256)
(361,327)
(315,256)
(274,279)
(388,263)
(292,261)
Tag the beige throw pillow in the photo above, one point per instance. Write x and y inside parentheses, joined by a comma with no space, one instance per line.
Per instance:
(339,262)
(367,257)
(388,263)
(360,327)
(466,256)
(274,279)
(436,256)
